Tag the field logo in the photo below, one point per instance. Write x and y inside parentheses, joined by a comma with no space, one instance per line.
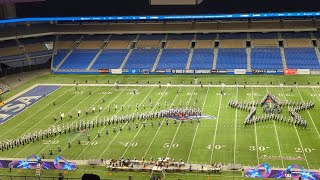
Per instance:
(24,101)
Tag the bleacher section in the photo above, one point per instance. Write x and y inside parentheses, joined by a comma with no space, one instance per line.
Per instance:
(301,58)
(110,59)
(79,59)
(57,58)
(148,44)
(115,44)
(180,36)
(204,44)
(266,59)
(270,35)
(223,36)
(152,37)
(174,59)
(202,59)
(211,36)
(232,58)
(270,43)
(142,59)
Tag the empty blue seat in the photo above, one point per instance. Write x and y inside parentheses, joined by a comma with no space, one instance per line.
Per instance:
(57,58)
(270,35)
(266,59)
(79,59)
(301,58)
(202,59)
(110,59)
(174,59)
(232,58)
(142,59)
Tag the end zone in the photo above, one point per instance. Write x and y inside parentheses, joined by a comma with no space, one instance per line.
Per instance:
(25,100)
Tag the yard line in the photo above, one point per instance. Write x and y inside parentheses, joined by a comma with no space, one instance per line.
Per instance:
(58,120)
(216,129)
(255,132)
(235,130)
(195,134)
(304,154)
(309,113)
(98,115)
(275,128)
(159,127)
(174,137)
(143,121)
(119,131)
(32,113)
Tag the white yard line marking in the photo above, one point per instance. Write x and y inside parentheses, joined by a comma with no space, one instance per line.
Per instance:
(59,120)
(216,129)
(141,126)
(304,154)
(195,134)
(160,127)
(275,129)
(32,113)
(309,113)
(174,137)
(235,130)
(255,132)
(119,131)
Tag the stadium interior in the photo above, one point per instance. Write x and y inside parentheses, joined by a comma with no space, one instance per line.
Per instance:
(215,95)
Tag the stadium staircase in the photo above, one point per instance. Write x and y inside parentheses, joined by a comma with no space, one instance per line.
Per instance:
(126,59)
(102,46)
(38,170)
(190,59)
(73,47)
(215,58)
(283,57)
(157,61)
(248,59)
(318,53)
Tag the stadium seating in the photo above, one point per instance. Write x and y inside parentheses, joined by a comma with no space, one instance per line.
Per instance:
(110,59)
(123,37)
(232,58)
(142,59)
(292,35)
(266,59)
(301,58)
(202,59)
(57,58)
(79,59)
(174,59)
(264,35)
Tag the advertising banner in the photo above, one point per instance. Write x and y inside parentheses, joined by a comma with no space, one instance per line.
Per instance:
(264,71)
(218,72)
(160,71)
(104,71)
(289,71)
(240,71)
(203,71)
(303,71)
(189,71)
(116,71)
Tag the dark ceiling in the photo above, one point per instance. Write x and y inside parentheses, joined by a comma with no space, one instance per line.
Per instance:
(51,8)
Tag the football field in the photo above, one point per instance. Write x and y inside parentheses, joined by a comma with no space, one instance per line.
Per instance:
(219,137)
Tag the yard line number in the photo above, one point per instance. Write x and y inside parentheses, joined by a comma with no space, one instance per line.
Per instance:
(88,143)
(260,148)
(131,144)
(306,150)
(216,147)
(167,145)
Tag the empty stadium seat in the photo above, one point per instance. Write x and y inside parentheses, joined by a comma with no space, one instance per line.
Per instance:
(211,36)
(270,35)
(232,58)
(202,59)
(59,56)
(110,59)
(174,59)
(233,36)
(180,36)
(151,37)
(79,59)
(142,59)
(301,58)
(266,59)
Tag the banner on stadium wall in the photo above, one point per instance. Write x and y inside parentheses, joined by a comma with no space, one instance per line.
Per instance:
(203,71)
(145,71)
(218,72)
(104,71)
(179,71)
(116,71)
(240,71)
(303,71)
(189,71)
(160,71)
(289,71)
(314,72)
(260,71)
